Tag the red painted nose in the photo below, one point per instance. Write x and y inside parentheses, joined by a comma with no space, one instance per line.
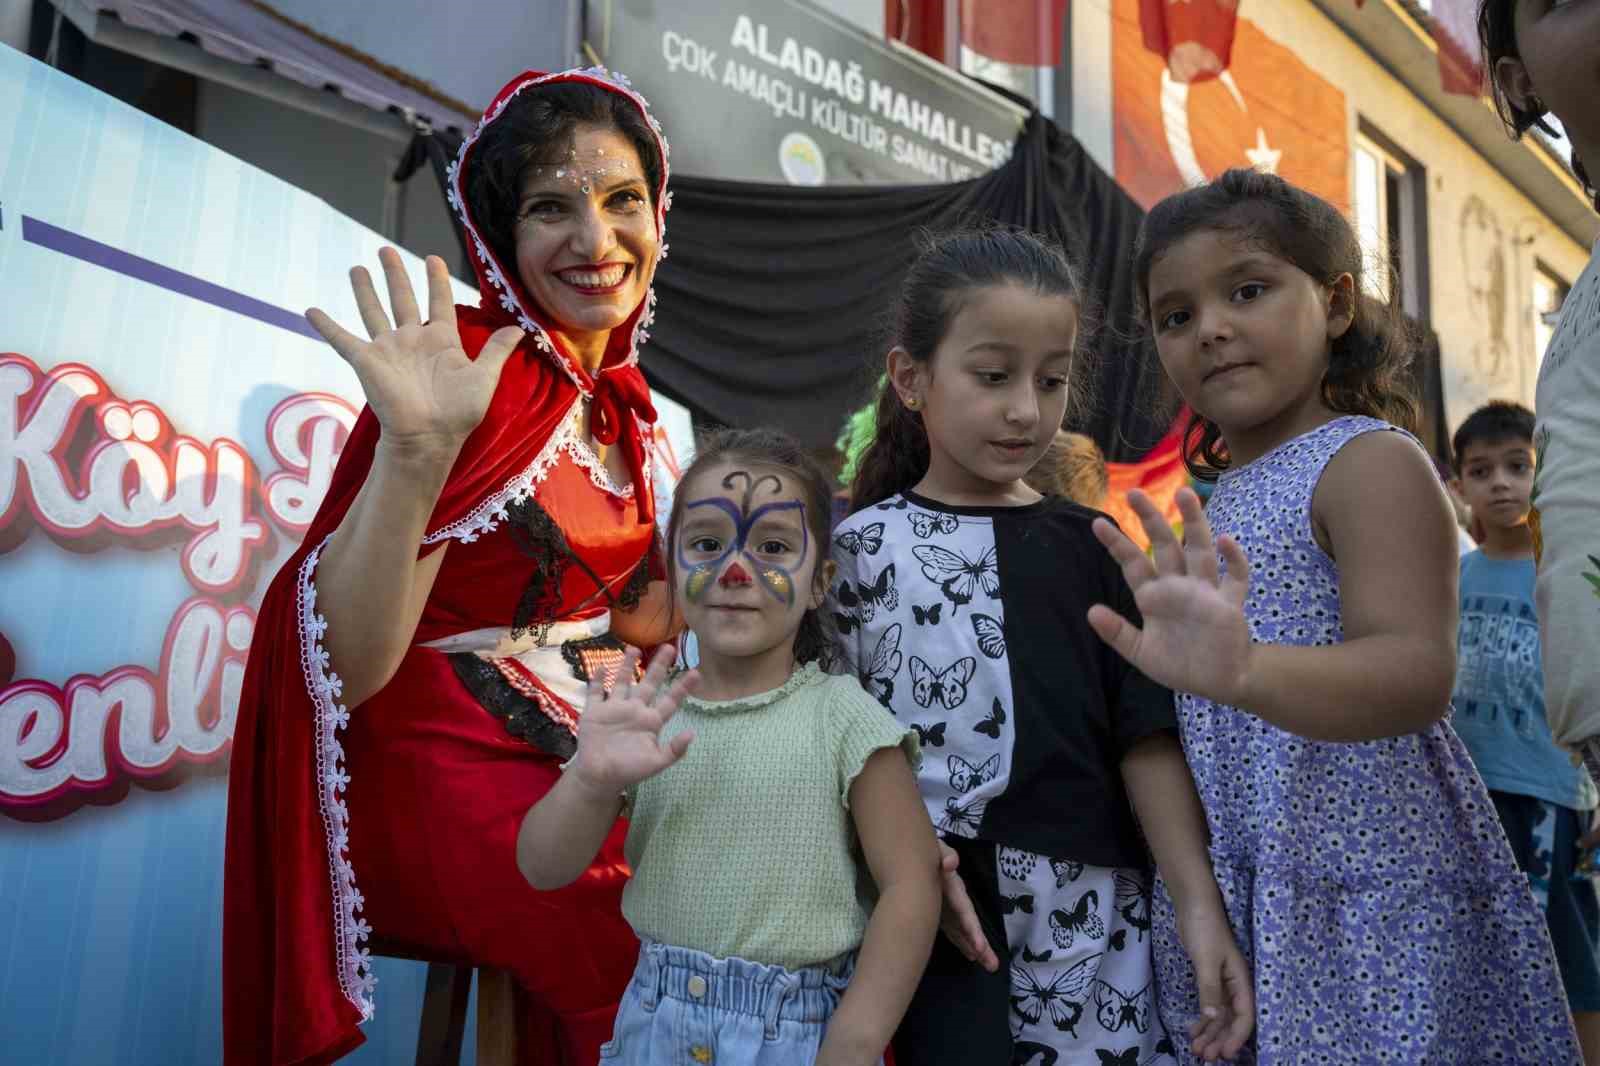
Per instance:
(735,575)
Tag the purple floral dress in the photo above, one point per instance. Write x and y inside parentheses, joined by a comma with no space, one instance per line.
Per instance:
(1369,884)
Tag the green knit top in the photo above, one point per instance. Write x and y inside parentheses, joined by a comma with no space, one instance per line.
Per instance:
(745,846)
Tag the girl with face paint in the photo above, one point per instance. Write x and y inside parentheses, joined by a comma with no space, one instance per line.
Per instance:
(748,799)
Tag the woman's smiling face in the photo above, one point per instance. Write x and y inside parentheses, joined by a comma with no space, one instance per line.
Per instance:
(586,240)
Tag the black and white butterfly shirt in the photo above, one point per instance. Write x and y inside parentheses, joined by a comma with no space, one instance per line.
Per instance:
(970,625)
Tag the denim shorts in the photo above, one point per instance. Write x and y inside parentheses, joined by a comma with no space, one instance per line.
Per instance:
(684,1006)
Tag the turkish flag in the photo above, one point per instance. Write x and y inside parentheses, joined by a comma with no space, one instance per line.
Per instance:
(1271,111)
(1022,32)
(1195,37)
(1455,29)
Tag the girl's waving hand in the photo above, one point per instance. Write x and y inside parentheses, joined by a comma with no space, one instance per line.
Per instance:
(1194,637)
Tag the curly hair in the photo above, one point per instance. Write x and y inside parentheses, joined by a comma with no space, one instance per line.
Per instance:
(1368,365)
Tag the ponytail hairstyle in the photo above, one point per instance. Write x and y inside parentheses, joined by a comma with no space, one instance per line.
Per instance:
(948,266)
(1368,365)
(1497,40)
(775,451)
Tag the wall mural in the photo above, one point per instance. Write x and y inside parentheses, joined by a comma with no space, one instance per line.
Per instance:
(1485,274)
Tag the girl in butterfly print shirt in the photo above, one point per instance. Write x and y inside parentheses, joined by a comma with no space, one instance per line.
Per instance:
(962,599)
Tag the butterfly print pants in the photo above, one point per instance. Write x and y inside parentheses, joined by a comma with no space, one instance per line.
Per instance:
(1074,986)
(1082,990)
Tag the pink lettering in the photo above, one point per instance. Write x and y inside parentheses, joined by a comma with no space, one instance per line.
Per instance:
(137,479)
(306,434)
(58,747)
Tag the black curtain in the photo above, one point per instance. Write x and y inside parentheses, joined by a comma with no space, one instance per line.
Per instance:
(775,300)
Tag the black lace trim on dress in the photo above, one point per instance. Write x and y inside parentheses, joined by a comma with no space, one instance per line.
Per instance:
(638,582)
(539,537)
(522,716)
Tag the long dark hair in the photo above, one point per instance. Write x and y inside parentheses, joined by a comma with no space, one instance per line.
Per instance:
(947,267)
(1497,40)
(771,449)
(533,131)
(1369,364)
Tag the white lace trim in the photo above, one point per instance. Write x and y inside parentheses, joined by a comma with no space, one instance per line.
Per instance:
(352,962)
(507,297)
(486,517)
(587,460)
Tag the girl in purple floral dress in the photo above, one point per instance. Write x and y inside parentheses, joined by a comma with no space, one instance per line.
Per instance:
(1361,862)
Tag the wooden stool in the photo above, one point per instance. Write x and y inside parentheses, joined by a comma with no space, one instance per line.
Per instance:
(443,1024)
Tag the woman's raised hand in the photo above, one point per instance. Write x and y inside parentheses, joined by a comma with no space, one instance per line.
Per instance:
(419,382)
(619,734)
(1195,638)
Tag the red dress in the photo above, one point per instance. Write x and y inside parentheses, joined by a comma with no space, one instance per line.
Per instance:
(399,817)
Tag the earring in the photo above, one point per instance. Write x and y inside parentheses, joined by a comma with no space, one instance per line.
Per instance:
(912,403)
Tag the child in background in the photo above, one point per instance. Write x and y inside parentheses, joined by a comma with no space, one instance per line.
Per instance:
(1356,847)
(962,594)
(749,805)
(1545,802)
(1073,468)
(1541,58)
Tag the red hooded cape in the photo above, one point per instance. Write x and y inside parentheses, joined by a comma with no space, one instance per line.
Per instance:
(296,981)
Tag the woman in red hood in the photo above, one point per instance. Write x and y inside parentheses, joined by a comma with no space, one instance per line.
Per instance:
(487,539)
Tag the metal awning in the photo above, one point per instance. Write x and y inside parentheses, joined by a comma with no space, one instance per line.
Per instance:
(249,47)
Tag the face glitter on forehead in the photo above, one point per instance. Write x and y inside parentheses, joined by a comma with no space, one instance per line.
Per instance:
(585,171)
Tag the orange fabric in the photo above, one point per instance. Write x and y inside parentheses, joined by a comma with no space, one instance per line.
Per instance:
(1160,475)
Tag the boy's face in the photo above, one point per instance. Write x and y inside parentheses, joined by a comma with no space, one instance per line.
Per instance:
(1496,480)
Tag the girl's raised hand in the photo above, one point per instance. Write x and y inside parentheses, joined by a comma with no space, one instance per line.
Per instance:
(619,734)
(417,378)
(1195,638)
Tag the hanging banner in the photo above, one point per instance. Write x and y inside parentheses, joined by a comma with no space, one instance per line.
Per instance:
(782,91)
(1267,109)
(1194,38)
(168,426)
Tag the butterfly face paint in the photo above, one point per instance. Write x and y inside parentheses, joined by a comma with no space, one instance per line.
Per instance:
(737,557)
